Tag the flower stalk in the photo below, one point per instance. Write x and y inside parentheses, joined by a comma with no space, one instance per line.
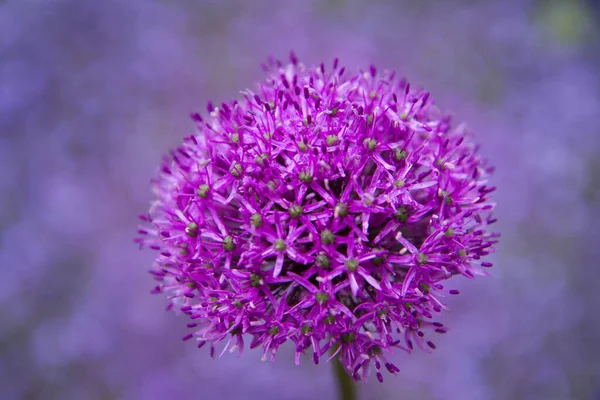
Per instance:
(346,385)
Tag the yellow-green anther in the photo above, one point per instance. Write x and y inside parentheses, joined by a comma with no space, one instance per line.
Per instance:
(348,337)
(449,232)
(260,159)
(305,177)
(400,154)
(306,329)
(331,139)
(203,191)
(371,144)
(422,258)
(322,297)
(236,169)
(302,146)
(192,229)
(340,210)
(274,330)
(255,280)
(295,211)
(399,183)
(333,112)
(280,245)
(327,237)
(401,214)
(352,265)
(228,244)
(370,119)
(256,220)
(322,260)
(235,138)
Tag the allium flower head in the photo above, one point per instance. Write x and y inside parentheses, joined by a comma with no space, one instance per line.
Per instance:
(325,209)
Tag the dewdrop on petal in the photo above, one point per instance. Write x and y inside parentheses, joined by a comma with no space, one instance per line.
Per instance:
(324,208)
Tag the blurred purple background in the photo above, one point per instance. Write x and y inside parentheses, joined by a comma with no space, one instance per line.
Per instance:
(93,92)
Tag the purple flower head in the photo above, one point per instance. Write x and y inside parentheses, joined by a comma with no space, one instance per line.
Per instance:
(326,209)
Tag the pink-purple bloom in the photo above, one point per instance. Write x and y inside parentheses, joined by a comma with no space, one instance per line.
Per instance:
(325,208)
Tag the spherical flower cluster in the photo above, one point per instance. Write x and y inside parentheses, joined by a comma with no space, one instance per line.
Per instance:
(325,209)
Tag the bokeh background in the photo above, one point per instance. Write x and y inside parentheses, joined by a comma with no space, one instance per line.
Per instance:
(93,92)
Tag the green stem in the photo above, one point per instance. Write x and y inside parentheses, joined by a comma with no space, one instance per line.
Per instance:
(345,382)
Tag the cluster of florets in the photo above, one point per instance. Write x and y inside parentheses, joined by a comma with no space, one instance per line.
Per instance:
(325,209)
